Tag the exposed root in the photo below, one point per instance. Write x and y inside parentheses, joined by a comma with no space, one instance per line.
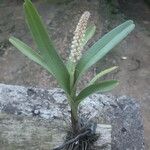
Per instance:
(83,141)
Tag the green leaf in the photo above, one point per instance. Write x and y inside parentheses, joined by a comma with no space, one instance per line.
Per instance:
(103,46)
(45,46)
(29,52)
(71,69)
(102,73)
(88,34)
(104,86)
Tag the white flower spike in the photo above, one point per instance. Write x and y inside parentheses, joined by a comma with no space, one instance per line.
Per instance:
(76,46)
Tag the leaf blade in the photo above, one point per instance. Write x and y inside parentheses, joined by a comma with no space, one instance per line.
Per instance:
(103,46)
(28,51)
(45,46)
(104,86)
(88,34)
(102,73)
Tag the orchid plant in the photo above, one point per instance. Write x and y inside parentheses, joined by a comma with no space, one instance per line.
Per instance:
(69,74)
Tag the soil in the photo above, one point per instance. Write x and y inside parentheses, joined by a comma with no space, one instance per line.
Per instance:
(132,55)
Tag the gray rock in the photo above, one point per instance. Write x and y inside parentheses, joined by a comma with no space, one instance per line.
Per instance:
(104,141)
(123,113)
(28,133)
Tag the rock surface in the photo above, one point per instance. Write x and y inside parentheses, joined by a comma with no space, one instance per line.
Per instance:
(123,113)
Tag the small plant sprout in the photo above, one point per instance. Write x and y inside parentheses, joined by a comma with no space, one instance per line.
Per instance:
(68,75)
